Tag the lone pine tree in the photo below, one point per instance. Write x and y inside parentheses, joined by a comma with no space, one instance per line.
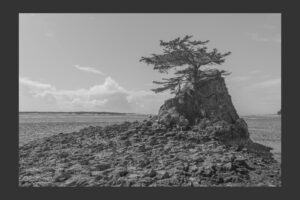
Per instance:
(200,92)
(187,57)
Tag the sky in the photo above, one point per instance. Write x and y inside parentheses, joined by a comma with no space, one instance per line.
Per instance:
(90,62)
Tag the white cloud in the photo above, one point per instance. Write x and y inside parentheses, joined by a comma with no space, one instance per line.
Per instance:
(89,69)
(108,96)
(254,75)
(35,87)
(266,76)
(256,71)
(270,26)
(273,38)
(34,84)
(239,78)
(271,85)
(267,84)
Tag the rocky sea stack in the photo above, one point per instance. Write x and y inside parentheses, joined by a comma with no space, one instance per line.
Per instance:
(209,103)
(197,139)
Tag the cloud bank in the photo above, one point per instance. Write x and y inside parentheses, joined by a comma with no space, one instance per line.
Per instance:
(273,38)
(275,82)
(108,96)
(239,78)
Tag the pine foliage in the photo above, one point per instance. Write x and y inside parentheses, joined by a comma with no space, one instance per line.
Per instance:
(186,57)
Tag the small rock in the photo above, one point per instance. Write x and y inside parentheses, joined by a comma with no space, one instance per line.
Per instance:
(103,166)
(63,154)
(227,166)
(142,148)
(165,175)
(186,168)
(148,123)
(220,180)
(123,172)
(143,163)
(96,173)
(123,137)
(152,173)
(242,163)
(170,134)
(227,179)
(62,177)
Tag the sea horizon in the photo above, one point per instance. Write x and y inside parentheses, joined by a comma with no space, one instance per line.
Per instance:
(124,113)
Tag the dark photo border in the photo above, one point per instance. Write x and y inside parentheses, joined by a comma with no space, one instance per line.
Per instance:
(10,75)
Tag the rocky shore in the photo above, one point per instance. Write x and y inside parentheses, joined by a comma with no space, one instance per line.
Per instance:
(147,154)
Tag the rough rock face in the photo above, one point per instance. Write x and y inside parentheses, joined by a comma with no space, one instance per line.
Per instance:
(210,101)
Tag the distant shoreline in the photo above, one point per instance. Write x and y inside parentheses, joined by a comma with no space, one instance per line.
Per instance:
(265,115)
(79,113)
(116,113)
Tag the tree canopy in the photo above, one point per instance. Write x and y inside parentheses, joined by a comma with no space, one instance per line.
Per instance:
(187,57)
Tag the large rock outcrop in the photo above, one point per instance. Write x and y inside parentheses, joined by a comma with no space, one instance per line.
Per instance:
(209,103)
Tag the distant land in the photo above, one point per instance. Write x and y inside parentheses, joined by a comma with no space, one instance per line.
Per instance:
(114,113)
(78,113)
(279,112)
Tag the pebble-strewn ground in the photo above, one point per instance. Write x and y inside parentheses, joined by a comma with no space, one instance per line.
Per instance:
(141,154)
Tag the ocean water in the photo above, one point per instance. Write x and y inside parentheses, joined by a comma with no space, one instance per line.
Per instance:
(38,125)
(266,130)
(263,129)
